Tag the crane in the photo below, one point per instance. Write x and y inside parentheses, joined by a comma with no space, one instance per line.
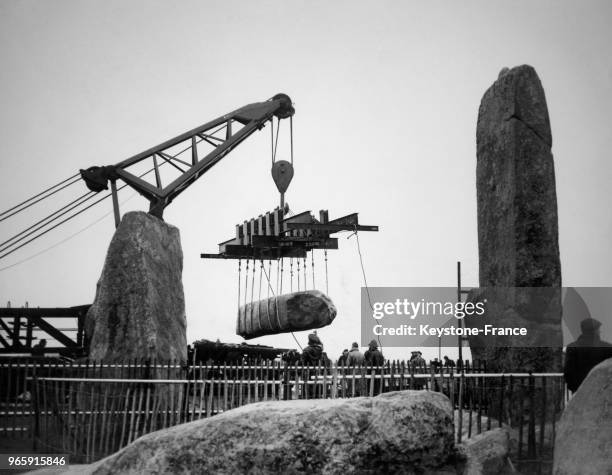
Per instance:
(275,235)
(251,117)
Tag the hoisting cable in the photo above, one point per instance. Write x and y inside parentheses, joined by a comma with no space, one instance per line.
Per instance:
(268,298)
(239,272)
(246,284)
(20,236)
(75,178)
(277,274)
(276,141)
(298,273)
(58,224)
(88,195)
(291,136)
(291,265)
(261,264)
(260,276)
(72,180)
(305,276)
(272,141)
(63,240)
(313,269)
(326,277)
(365,280)
(252,285)
(270,272)
(282,265)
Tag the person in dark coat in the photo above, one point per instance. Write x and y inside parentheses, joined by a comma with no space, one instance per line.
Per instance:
(38,350)
(448,363)
(373,356)
(585,353)
(343,358)
(355,357)
(313,352)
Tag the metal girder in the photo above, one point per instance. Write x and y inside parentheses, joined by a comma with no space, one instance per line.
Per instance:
(253,117)
(34,319)
(334,228)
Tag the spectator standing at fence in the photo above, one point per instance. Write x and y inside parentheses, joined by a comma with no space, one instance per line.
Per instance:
(417,360)
(585,353)
(343,360)
(39,348)
(313,352)
(373,355)
(355,357)
(448,363)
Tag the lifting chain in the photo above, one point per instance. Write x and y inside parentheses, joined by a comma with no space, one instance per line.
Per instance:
(313,269)
(239,271)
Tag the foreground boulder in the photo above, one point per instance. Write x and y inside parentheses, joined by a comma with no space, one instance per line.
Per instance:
(518,243)
(583,445)
(139,309)
(487,453)
(297,311)
(399,432)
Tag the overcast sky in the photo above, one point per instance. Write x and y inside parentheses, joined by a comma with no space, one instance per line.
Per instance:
(386,97)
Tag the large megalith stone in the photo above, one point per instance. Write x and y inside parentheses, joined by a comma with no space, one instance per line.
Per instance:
(583,444)
(399,432)
(297,311)
(139,309)
(517,226)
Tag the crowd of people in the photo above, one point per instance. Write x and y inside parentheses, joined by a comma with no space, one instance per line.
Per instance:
(581,356)
(313,353)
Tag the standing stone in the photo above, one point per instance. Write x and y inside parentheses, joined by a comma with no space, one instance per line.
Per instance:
(517,224)
(583,443)
(139,309)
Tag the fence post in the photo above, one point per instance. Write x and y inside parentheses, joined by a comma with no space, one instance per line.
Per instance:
(36,410)
(461,381)
(432,377)
(531,446)
(451,387)
(286,381)
(501,400)
(542,422)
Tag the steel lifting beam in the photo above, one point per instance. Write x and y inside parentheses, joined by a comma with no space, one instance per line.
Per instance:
(274,236)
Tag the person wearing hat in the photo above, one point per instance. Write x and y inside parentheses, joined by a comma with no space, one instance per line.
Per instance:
(585,353)
(313,352)
(373,356)
(417,360)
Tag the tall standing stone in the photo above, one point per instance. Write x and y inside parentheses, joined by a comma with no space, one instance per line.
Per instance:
(139,309)
(517,223)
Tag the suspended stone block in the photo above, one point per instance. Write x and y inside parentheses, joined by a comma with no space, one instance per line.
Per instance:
(298,311)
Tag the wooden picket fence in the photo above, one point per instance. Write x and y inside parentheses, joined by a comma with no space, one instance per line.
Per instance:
(91,409)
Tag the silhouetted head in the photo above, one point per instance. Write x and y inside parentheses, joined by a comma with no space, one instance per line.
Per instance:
(373,345)
(590,326)
(313,339)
